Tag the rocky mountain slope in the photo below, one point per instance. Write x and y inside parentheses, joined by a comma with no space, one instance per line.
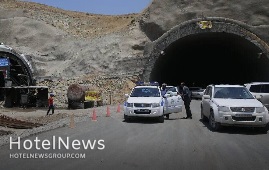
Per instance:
(80,43)
(73,47)
(162,15)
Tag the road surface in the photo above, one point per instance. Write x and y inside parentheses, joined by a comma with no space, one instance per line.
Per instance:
(146,144)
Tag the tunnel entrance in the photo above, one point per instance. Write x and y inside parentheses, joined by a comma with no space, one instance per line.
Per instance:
(16,69)
(17,85)
(211,58)
(225,53)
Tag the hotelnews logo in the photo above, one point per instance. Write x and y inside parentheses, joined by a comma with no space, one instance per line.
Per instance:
(56,144)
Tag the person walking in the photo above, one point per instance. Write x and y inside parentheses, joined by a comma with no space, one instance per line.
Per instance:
(186,97)
(51,105)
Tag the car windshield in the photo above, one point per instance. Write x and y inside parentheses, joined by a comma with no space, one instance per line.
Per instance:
(232,93)
(173,89)
(145,92)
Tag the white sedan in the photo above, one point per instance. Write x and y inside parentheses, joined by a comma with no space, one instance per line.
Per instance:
(233,105)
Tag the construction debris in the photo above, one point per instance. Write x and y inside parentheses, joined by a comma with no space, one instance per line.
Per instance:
(9,122)
(3,132)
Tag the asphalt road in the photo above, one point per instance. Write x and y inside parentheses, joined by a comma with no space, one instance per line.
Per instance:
(146,144)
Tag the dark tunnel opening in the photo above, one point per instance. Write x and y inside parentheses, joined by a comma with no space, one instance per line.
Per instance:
(211,58)
(15,71)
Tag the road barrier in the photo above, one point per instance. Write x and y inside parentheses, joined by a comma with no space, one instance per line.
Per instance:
(118,109)
(94,117)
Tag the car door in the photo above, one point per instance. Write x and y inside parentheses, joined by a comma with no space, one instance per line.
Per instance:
(172,99)
(167,103)
(206,102)
(178,104)
(176,101)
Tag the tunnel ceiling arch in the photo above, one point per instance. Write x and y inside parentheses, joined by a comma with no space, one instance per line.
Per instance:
(197,50)
(21,72)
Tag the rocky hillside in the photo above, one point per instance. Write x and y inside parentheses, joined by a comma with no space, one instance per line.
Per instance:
(72,47)
(64,43)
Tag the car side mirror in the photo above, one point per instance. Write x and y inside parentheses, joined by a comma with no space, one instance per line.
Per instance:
(167,95)
(258,97)
(126,95)
(206,96)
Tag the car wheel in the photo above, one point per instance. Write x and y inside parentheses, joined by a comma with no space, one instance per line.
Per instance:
(126,118)
(203,116)
(167,116)
(215,126)
(263,130)
(161,119)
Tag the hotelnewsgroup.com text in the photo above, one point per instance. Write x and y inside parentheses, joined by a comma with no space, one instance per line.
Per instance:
(47,155)
(55,144)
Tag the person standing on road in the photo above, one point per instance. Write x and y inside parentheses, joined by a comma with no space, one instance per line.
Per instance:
(51,105)
(186,97)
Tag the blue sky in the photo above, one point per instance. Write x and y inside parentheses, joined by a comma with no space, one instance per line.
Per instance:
(106,7)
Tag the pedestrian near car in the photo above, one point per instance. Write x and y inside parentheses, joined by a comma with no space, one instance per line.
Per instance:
(51,104)
(186,97)
(163,89)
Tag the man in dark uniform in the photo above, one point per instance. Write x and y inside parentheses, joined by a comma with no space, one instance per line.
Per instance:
(186,97)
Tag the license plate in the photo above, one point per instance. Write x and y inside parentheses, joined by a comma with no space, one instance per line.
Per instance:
(243,115)
(143,110)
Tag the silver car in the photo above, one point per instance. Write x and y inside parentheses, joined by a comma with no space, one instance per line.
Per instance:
(233,105)
(197,94)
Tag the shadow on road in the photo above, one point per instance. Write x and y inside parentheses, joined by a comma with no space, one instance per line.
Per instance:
(174,118)
(142,120)
(235,129)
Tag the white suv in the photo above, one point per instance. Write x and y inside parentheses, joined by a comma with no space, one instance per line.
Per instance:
(145,100)
(233,105)
(260,90)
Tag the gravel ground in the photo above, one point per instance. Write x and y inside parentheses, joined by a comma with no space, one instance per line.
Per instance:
(61,118)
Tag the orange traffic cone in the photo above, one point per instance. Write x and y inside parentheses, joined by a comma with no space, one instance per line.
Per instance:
(94,117)
(118,109)
(107,111)
(72,121)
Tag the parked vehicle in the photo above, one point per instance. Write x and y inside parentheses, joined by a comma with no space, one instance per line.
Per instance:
(145,100)
(195,90)
(233,105)
(197,94)
(260,90)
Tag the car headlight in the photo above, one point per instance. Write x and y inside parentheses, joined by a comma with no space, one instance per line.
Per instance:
(155,104)
(223,109)
(130,105)
(260,109)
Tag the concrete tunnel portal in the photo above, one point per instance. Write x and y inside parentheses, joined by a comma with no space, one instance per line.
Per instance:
(209,56)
